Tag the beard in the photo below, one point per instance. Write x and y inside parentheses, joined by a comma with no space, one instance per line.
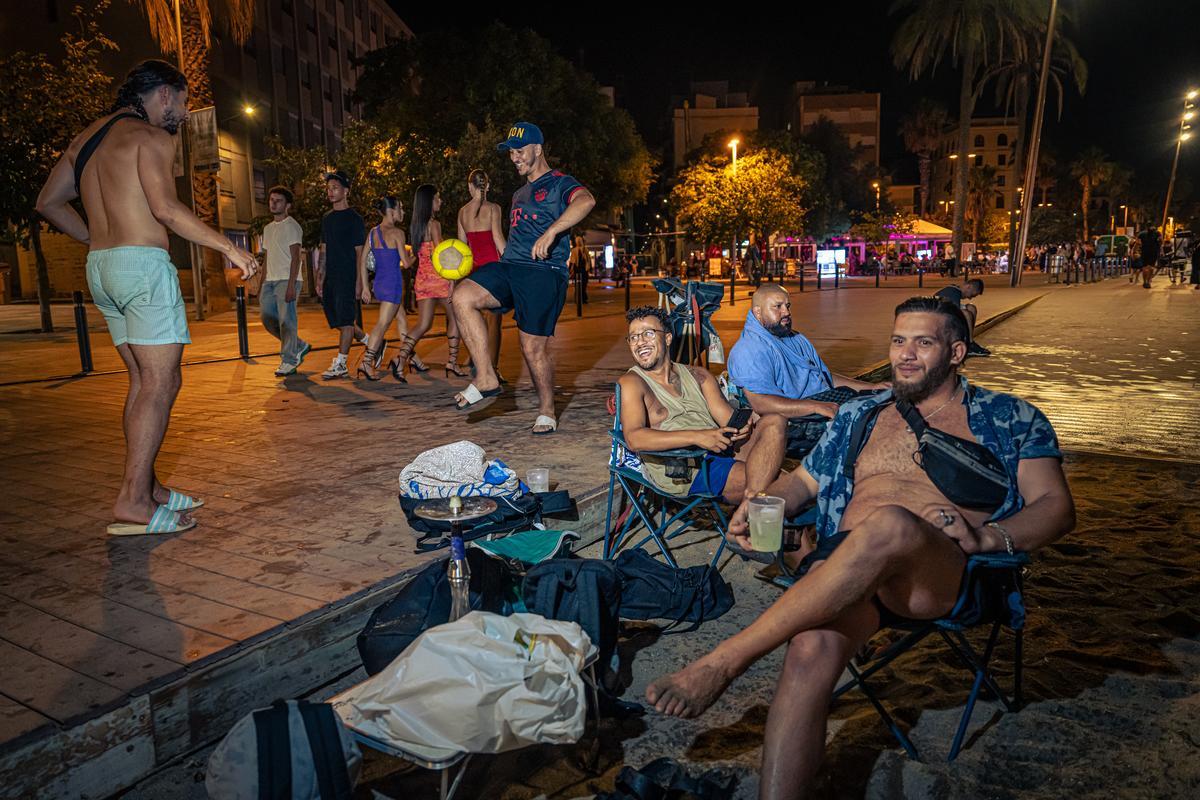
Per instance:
(781,329)
(171,123)
(916,391)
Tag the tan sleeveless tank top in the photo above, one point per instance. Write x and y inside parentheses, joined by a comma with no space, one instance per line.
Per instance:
(689,411)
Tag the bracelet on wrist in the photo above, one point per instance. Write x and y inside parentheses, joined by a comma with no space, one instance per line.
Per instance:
(1008,542)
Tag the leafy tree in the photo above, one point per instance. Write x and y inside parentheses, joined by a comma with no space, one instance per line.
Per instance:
(378,162)
(973,34)
(196,22)
(43,106)
(1052,225)
(459,96)
(878,227)
(921,129)
(764,196)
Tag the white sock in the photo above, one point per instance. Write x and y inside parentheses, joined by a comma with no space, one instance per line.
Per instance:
(340,358)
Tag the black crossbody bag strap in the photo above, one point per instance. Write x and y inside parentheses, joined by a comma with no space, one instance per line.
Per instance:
(89,147)
(916,422)
(858,439)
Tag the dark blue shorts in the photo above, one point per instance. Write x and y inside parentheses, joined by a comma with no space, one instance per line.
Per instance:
(535,294)
(716,470)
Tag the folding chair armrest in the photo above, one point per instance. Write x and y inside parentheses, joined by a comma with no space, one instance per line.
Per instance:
(679,452)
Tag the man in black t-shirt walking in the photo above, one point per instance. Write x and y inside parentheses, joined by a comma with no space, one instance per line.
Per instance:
(343,235)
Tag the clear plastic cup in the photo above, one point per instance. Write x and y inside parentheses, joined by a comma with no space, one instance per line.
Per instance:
(766,523)
(538,479)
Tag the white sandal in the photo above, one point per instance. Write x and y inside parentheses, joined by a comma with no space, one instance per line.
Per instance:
(545,421)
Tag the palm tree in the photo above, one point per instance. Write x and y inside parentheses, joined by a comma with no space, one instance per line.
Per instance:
(922,128)
(1092,168)
(1015,79)
(981,196)
(196,21)
(974,34)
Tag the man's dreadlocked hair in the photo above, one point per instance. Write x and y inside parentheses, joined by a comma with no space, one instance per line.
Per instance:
(144,78)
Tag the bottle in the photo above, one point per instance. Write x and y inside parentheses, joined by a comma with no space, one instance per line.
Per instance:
(459,573)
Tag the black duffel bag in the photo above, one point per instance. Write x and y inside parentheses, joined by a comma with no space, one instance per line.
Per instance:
(653,589)
(424,602)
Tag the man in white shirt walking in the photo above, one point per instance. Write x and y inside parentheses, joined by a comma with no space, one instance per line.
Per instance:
(277,300)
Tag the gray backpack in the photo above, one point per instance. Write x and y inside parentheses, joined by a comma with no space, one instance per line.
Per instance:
(294,750)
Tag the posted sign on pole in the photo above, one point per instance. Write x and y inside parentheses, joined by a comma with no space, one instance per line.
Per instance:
(204,140)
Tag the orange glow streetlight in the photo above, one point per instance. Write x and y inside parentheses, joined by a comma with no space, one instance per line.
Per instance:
(734,143)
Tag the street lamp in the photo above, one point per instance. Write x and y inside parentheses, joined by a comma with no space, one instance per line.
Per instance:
(734,143)
(875,186)
(1125,222)
(1184,135)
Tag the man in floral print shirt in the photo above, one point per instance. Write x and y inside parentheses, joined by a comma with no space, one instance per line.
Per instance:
(890,544)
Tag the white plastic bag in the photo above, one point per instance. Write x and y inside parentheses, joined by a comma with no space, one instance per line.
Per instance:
(459,469)
(482,684)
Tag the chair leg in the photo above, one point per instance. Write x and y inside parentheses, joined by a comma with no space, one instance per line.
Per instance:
(901,737)
(612,479)
(1018,669)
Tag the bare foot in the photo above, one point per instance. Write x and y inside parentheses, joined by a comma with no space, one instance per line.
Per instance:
(690,691)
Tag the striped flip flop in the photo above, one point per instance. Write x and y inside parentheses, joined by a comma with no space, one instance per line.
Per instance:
(164,521)
(178,501)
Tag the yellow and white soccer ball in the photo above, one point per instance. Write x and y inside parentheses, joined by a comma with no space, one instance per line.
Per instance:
(452,259)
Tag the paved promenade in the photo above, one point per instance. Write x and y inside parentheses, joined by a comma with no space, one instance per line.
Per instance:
(299,479)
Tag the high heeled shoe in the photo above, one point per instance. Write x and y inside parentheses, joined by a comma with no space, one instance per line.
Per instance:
(414,360)
(452,365)
(367,364)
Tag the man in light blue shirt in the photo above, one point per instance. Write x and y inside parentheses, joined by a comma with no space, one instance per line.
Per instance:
(777,368)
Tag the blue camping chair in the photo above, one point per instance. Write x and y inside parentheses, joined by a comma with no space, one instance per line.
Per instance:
(992,596)
(649,508)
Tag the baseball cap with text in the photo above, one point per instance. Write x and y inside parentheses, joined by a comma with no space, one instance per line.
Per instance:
(520,135)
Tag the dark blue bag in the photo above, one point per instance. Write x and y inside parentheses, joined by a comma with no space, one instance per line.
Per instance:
(586,591)
(424,602)
(653,589)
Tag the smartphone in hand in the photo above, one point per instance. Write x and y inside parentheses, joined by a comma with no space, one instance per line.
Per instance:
(741,418)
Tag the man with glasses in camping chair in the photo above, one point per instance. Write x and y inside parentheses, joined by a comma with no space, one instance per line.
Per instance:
(910,484)
(670,406)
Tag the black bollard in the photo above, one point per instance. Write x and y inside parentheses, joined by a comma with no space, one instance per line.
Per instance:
(877,271)
(800,272)
(818,277)
(626,292)
(837,273)
(579,294)
(81,334)
(732,284)
(243,335)
(920,278)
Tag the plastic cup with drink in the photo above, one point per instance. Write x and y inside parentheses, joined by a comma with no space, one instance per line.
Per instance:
(765,515)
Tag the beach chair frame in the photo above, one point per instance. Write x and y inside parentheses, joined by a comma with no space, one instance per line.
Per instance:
(649,508)
(1002,573)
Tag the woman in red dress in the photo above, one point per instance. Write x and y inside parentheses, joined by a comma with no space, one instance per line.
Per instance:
(481,226)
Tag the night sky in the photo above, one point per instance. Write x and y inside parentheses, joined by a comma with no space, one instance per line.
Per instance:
(1142,56)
